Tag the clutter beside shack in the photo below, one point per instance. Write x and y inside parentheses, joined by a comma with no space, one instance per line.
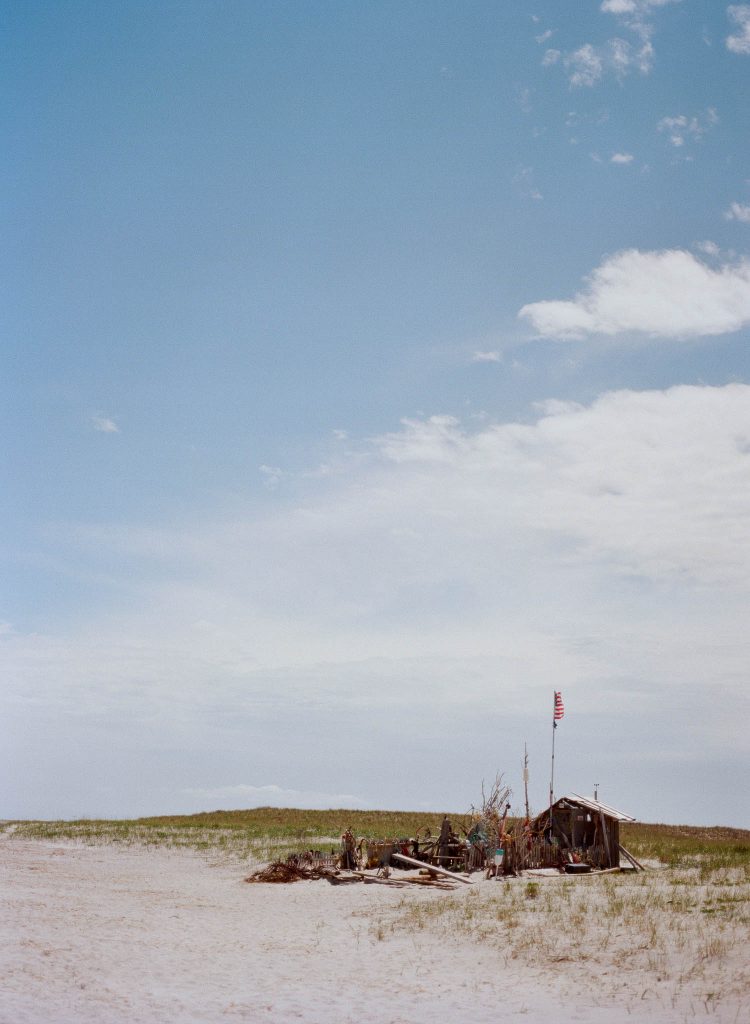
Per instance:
(575,835)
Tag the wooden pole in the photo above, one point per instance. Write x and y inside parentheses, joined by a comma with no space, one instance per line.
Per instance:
(432,868)
(552,771)
(606,840)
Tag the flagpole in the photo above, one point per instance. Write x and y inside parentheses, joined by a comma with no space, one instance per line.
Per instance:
(552,771)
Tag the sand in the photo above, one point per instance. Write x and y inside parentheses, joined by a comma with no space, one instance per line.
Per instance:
(123,934)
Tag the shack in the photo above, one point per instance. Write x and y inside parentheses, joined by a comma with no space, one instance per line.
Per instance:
(577,830)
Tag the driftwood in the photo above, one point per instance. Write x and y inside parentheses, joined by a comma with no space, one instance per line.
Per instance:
(432,868)
(281,872)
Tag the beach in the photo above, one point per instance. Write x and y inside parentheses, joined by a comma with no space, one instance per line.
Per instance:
(112,933)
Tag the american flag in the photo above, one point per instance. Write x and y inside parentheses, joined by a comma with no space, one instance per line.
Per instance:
(559,706)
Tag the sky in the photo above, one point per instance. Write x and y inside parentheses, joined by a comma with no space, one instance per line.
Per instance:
(369,373)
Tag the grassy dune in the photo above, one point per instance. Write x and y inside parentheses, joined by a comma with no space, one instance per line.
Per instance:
(268,831)
(262,833)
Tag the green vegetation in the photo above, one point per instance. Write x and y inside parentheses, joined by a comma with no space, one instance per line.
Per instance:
(674,845)
(688,845)
(260,834)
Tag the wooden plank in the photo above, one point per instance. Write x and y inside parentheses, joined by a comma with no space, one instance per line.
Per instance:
(430,867)
(606,839)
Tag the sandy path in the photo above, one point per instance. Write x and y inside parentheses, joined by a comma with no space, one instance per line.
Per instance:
(111,934)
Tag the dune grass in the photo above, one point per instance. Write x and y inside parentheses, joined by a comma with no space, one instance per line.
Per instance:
(264,832)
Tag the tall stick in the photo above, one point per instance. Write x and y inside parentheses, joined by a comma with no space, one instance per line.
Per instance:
(526,781)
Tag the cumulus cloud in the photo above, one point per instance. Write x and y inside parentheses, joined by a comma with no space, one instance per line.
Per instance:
(739,41)
(738,211)
(664,294)
(708,247)
(680,128)
(487,357)
(587,65)
(610,474)
(633,7)
(621,158)
(584,66)
(104,424)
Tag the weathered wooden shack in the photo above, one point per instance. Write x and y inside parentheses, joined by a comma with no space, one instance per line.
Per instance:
(579,830)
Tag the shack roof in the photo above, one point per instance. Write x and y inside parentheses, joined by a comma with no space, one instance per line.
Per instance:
(598,807)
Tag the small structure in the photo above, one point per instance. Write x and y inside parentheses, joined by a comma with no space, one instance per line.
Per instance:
(579,830)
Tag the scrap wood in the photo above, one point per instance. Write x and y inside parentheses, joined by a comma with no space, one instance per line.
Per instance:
(284,872)
(432,868)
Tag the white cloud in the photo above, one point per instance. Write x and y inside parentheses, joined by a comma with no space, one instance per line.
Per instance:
(633,6)
(740,41)
(486,357)
(587,65)
(621,158)
(708,247)
(442,571)
(544,36)
(739,211)
(584,66)
(665,294)
(241,796)
(104,424)
(551,57)
(681,127)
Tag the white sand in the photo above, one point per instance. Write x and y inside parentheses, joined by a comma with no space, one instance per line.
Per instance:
(110,934)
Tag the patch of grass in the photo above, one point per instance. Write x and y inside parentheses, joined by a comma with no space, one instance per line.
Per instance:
(261,833)
(720,855)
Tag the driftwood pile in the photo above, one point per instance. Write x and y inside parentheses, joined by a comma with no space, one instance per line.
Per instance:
(284,872)
(287,871)
(489,841)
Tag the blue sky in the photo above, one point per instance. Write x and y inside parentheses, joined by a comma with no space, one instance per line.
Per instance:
(370,372)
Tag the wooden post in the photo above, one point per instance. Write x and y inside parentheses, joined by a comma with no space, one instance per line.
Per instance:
(606,839)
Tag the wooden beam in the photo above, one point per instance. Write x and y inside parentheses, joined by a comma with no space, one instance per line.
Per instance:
(430,867)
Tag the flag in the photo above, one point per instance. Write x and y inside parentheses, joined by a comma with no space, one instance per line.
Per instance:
(559,706)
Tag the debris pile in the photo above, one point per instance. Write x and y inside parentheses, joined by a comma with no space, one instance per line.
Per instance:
(291,870)
(574,835)
(288,871)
